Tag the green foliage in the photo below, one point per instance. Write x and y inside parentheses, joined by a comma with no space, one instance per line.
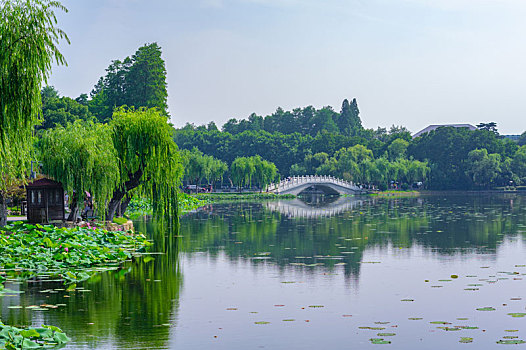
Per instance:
(71,254)
(45,337)
(82,157)
(447,151)
(137,81)
(482,167)
(522,139)
(198,166)
(28,47)
(397,149)
(148,158)
(58,110)
(245,169)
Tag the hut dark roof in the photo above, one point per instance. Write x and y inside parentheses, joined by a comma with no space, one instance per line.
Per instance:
(44,183)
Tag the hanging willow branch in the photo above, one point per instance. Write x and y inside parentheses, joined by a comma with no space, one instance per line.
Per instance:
(82,157)
(28,48)
(149,160)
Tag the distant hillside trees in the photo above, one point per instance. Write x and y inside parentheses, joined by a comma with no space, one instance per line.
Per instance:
(58,110)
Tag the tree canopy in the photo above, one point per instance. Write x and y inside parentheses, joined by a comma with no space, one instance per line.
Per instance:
(149,161)
(137,81)
(82,157)
(29,42)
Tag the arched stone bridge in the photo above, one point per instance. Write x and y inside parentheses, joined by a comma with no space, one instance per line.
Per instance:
(328,184)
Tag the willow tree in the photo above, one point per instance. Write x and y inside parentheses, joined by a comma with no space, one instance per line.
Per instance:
(28,48)
(149,161)
(82,157)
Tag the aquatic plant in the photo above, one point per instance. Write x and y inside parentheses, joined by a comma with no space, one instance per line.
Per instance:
(45,337)
(71,254)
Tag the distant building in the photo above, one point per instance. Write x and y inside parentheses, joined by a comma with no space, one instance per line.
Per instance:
(434,127)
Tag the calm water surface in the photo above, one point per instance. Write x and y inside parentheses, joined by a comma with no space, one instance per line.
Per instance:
(297,275)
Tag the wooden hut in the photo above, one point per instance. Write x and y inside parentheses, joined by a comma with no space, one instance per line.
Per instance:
(45,201)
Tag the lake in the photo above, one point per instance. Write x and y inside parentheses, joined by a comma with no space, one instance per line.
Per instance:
(426,272)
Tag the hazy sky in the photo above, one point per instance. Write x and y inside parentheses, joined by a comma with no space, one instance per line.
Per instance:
(408,62)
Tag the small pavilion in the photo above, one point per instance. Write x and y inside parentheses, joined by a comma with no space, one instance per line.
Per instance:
(45,201)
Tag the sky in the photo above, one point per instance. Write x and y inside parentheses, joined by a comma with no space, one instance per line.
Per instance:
(407,62)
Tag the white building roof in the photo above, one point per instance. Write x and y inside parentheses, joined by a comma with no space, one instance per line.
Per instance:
(433,127)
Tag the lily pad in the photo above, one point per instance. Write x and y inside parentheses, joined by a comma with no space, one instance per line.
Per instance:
(379,341)
(511,341)
(487,308)
(466,340)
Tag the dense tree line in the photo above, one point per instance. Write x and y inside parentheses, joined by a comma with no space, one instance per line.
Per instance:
(311,141)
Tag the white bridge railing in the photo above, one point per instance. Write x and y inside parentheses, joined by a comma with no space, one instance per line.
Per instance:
(295,181)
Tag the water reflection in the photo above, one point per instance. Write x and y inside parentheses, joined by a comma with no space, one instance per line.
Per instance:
(314,206)
(132,307)
(231,252)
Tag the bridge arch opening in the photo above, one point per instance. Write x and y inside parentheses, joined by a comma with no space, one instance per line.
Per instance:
(327,190)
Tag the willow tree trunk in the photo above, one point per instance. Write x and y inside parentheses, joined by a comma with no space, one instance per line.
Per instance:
(118,195)
(3,210)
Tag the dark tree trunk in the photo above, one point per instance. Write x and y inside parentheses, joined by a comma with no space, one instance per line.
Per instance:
(74,211)
(118,195)
(125,202)
(114,204)
(3,210)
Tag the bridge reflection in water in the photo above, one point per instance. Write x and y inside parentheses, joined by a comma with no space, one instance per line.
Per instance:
(314,206)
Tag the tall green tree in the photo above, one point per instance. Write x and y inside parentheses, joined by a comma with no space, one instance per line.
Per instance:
(149,160)
(82,157)
(146,79)
(482,167)
(349,120)
(136,81)
(29,40)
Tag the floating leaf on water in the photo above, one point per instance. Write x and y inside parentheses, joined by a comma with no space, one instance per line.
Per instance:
(346,315)
(511,330)
(232,308)
(462,318)
(288,282)
(454,276)
(487,308)
(466,340)
(386,334)
(514,341)
(450,328)
(515,298)
(439,322)
(445,280)
(372,328)
(261,322)
(517,314)
(15,307)
(382,322)
(415,318)
(316,306)
(436,286)
(510,337)
(468,327)
(407,300)
(289,320)
(379,341)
